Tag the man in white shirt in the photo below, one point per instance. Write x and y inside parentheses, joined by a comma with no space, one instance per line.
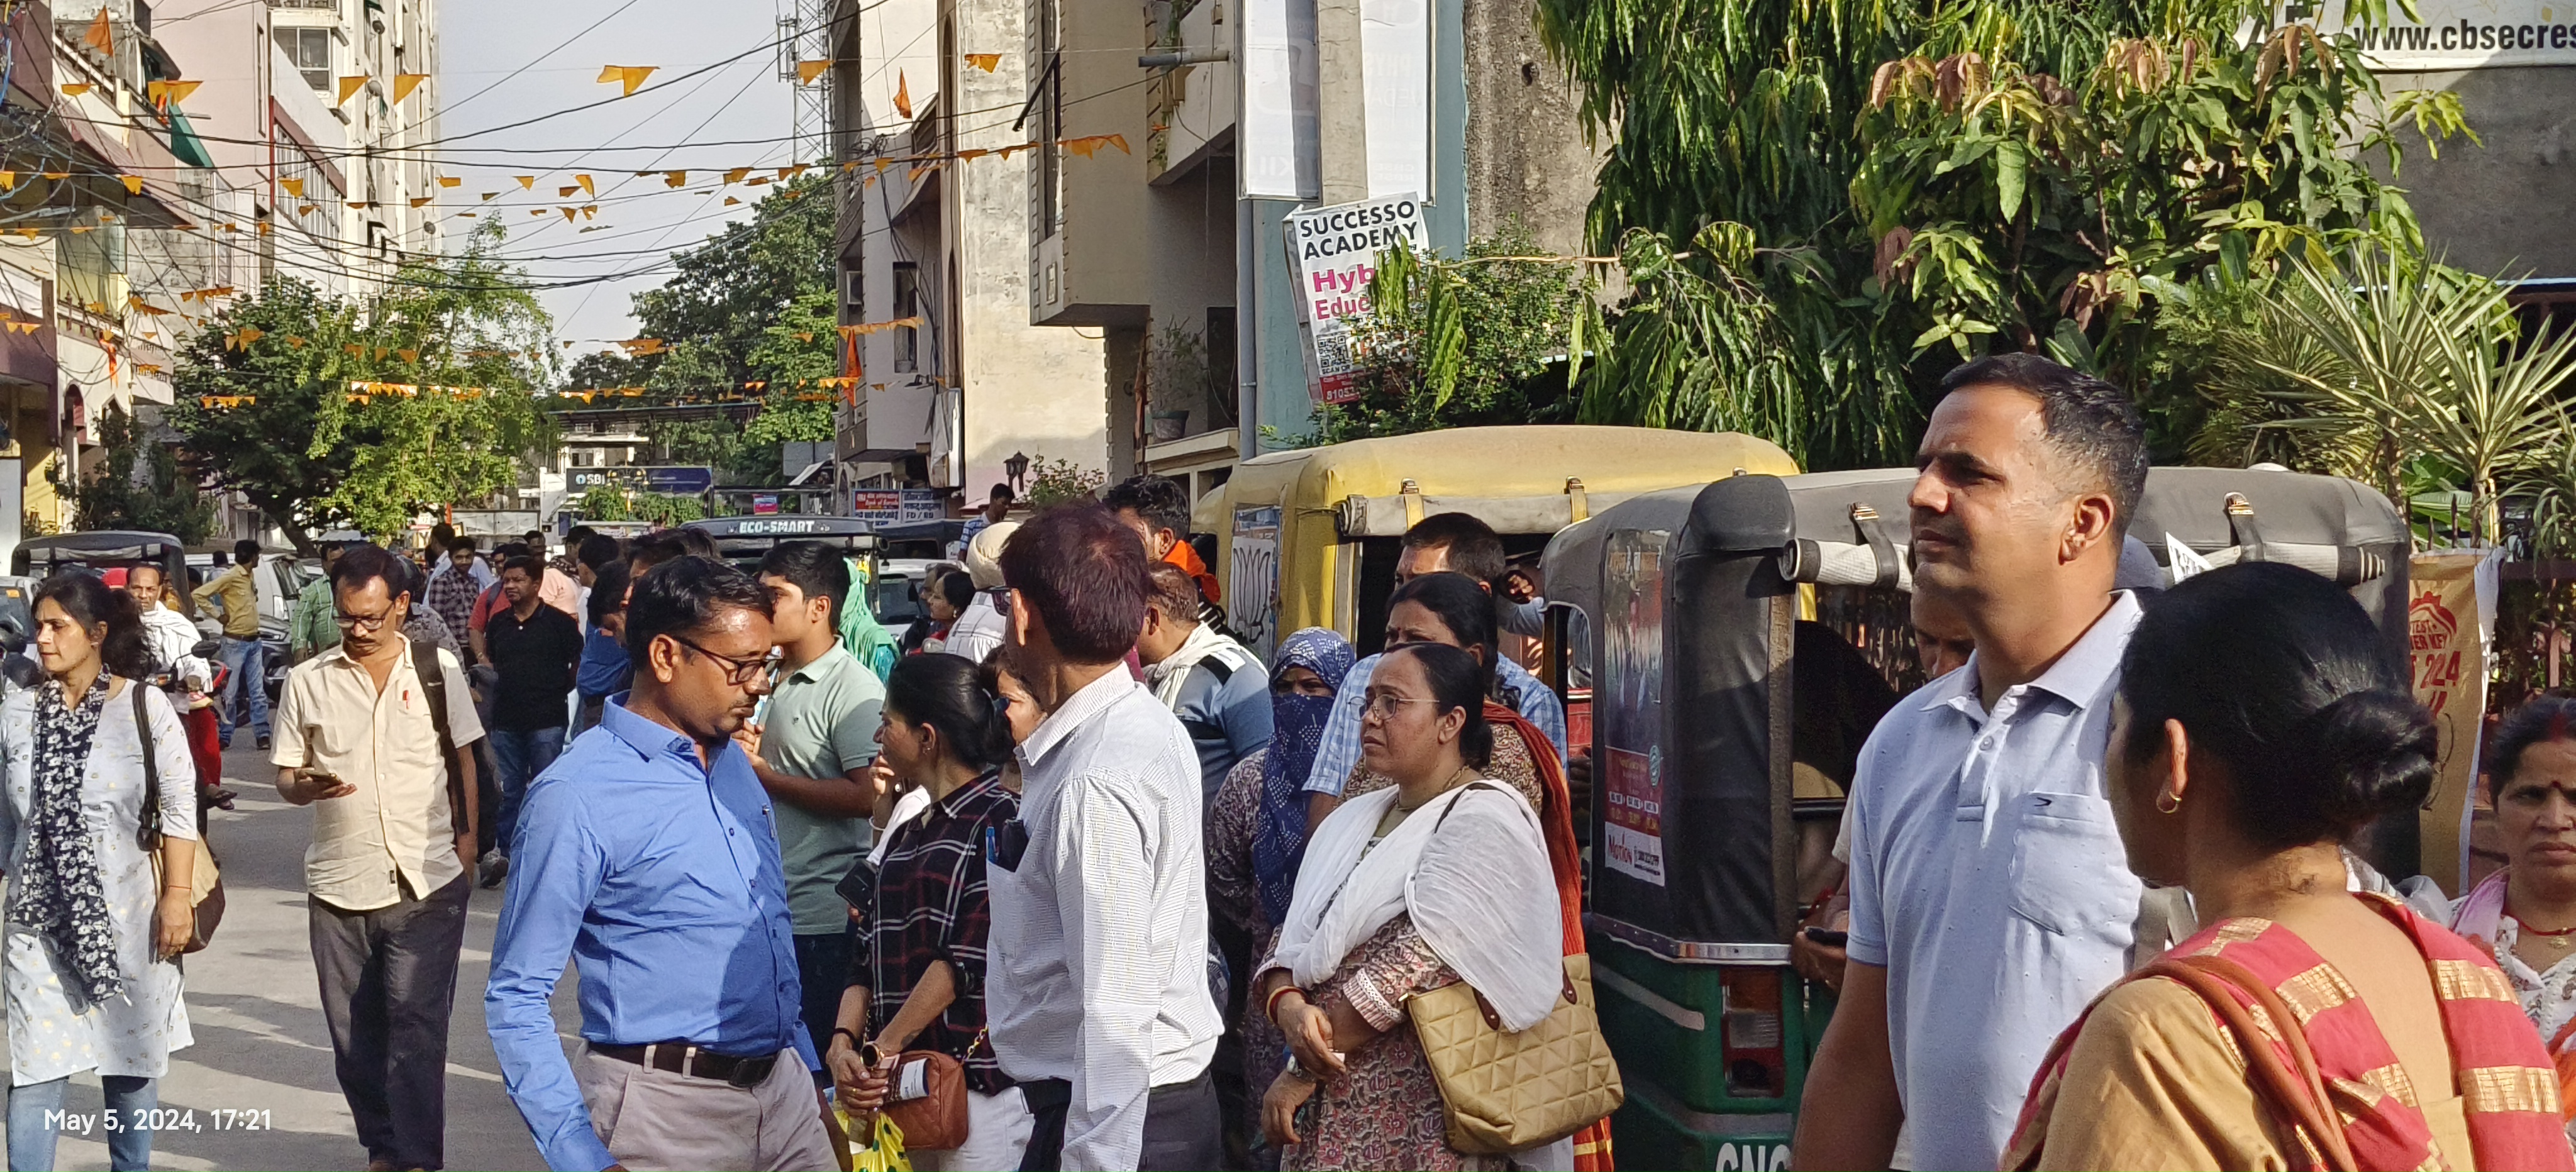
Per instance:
(1990,896)
(979,628)
(1097,989)
(379,744)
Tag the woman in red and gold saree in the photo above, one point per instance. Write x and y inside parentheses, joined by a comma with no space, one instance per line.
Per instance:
(2257,727)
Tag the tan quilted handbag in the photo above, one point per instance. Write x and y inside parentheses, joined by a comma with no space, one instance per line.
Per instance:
(1503,1091)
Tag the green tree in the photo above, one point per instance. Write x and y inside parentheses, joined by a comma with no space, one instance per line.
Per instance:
(270,402)
(138,484)
(1873,191)
(1481,340)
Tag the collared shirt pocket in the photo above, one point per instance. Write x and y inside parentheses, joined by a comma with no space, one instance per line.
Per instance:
(2069,871)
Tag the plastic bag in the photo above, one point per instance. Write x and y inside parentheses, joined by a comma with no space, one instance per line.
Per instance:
(884,1155)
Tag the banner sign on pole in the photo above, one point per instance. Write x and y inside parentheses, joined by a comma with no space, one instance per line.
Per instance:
(1332,255)
(895,506)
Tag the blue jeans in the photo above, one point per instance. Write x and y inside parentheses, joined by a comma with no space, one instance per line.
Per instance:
(520,756)
(248,661)
(36,1121)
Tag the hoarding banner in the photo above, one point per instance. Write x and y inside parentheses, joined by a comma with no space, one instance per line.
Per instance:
(1629,705)
(895,506)
(1276,140)
(683,480)
(2450,616)
(2457,34)
(1332,255)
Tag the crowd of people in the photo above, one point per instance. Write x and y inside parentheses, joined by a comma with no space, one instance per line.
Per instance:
(1071,862)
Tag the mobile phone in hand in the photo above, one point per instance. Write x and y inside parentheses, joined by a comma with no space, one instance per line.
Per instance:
(1829,937)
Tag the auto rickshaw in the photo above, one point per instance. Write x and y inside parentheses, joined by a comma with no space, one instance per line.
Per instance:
(1308,538)
(36,557)
(1740,639)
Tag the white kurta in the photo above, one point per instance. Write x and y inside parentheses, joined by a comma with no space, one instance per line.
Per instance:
(132,1034)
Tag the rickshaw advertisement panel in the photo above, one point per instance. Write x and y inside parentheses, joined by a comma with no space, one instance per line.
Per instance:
(1631,723)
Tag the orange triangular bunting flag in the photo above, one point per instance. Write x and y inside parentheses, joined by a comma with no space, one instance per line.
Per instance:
(984,61)
(405,83)
(422,201)
(526,182)
(489,196)
(630,76)
(807,71)
(586,187)
(409,355)
(78,88)
(735,175)
(566,191)
(902,95)
(101,36)
(294,187)
(349,87)
(675,179)
(133,184)
(569,213)
(450,181)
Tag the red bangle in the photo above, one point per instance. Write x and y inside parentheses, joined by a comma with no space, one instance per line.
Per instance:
(1270,1007)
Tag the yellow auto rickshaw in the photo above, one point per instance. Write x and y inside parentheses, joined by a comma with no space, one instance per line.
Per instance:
(1308,538)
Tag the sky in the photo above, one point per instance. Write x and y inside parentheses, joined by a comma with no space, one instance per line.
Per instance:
(506,61)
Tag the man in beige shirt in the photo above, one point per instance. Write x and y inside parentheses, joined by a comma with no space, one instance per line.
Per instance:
(359,739)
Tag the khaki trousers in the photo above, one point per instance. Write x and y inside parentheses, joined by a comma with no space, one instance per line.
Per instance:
(658,1120)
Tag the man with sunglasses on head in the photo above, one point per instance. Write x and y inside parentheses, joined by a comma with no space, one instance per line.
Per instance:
(376,735)
(646,851)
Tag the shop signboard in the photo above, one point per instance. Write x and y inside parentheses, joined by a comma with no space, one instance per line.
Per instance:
(1332,255)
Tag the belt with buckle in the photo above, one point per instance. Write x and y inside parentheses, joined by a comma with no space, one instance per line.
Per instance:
(691,1060)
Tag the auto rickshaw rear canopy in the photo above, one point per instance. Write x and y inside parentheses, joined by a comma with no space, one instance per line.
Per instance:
(1291,526)
(37,556)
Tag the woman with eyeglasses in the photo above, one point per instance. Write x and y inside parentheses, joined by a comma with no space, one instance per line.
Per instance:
(93,931)
(1439,878)
(1257,830)
(917,977)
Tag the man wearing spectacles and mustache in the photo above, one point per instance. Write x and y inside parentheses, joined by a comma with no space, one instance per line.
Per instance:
(647,851)
(362,729)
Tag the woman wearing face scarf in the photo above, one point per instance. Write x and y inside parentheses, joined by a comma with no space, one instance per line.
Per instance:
(1257,830)
(91,936)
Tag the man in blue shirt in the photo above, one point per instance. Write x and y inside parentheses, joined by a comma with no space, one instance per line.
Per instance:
(647,852)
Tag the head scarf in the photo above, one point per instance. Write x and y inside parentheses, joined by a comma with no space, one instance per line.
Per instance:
(1297,733)
(875,646)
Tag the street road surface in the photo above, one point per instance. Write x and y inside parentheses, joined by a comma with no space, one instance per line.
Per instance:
(262,1052)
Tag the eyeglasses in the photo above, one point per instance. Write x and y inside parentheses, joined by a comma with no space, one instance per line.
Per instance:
(738,669)
(1381,706)
(350,622)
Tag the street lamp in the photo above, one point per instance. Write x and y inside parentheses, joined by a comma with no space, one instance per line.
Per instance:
(1017,467)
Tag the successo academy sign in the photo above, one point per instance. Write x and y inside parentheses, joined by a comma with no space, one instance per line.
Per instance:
(1332,252)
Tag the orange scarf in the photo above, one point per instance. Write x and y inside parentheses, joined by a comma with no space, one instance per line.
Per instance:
(1556,825)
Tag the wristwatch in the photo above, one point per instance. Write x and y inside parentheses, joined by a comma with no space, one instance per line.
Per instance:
(1298,1071)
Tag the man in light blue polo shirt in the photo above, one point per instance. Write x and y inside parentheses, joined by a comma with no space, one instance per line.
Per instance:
(812,750)
(1990,896)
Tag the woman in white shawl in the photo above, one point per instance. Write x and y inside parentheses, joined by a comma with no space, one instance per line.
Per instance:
(1440,879)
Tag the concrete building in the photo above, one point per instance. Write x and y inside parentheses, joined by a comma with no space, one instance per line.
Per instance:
(1175,252)
(934,230)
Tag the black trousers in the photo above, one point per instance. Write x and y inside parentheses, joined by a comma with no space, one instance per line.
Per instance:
(823,967)
(388,984)
(1181,1127)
